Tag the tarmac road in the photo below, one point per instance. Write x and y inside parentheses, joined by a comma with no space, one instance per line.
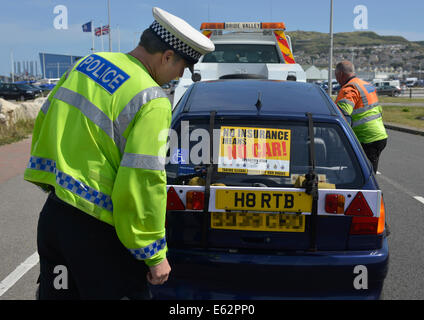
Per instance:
(401,180)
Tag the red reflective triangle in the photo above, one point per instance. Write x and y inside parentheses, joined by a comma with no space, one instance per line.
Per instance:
(173,201)
(359,207)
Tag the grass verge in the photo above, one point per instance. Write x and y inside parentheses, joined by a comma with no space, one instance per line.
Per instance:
(404,116)
(16,132)
(385,99)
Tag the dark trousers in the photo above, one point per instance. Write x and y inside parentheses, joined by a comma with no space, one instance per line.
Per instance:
(373,151)
(82,257)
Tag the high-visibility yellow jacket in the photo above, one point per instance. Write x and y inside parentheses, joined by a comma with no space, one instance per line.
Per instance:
(359,99)
(100,141)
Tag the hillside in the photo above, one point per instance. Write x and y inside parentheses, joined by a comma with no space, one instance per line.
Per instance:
(369,49)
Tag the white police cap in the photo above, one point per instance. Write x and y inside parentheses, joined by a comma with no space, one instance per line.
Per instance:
(181,37)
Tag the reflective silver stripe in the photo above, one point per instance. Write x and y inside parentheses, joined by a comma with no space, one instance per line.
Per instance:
(366,119)
(68,182)
(347,101)
(130,110)
(92,112)
(362,93)
(150,250)
(143,161)
(45,107)
(365,109)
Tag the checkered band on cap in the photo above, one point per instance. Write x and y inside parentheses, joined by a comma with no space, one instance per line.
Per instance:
(184,50)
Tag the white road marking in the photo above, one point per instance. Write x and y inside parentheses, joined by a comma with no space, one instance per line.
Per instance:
(420,199)
(397,186)
(401,188)
(18,273)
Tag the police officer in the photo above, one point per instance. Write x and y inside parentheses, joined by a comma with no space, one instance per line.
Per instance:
(358,99)
(98,148)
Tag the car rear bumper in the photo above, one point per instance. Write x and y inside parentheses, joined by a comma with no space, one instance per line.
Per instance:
(201,274)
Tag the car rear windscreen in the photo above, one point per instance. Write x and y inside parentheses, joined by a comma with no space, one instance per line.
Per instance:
(267,154)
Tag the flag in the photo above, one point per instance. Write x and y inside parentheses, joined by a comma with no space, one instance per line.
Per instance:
(105,29)
(86,27)
(98,31)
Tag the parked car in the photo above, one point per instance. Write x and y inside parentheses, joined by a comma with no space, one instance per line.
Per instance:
(336,86)
(21,92)
(249,225)
(36,89)
(47,86)
(388,91)
(44,90)
(174,84)
(336,89)
(167,88)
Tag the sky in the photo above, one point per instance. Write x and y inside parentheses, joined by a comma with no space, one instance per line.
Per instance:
(27,27)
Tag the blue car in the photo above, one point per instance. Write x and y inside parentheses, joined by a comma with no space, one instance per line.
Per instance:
(257,211)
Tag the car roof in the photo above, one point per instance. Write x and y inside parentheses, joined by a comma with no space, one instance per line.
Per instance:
(241,96)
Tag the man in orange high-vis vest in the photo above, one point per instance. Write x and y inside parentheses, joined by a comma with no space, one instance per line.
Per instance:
(358,99)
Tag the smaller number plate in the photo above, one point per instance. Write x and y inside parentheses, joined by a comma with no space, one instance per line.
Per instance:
(256,221)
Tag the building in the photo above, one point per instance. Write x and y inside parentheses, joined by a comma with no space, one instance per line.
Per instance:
(313,74)
(53,66)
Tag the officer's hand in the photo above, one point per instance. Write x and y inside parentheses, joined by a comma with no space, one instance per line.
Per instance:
(159,273)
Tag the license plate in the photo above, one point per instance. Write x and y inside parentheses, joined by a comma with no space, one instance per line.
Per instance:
(254,221)
(282,201)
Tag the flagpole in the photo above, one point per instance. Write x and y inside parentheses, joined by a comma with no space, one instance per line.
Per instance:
(92,35)
(119,39)
(110,27)
(101,36)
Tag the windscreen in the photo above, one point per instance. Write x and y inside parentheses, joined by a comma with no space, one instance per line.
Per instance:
(266,154)
(242,53)
(24,87)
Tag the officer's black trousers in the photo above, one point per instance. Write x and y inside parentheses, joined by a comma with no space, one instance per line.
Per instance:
(82,257)
(373,151)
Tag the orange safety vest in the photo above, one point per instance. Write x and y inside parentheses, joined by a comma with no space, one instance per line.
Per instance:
(359,99)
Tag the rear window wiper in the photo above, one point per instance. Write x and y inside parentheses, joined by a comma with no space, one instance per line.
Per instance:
(311,184)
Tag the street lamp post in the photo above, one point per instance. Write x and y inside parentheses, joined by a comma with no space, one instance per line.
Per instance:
(12,73)
(330,67)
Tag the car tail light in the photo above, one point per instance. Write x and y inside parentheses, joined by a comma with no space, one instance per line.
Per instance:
(359,207)
(334,203)
(173,201)
(195,200)
(369,225)
(364,225)
(382,218)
